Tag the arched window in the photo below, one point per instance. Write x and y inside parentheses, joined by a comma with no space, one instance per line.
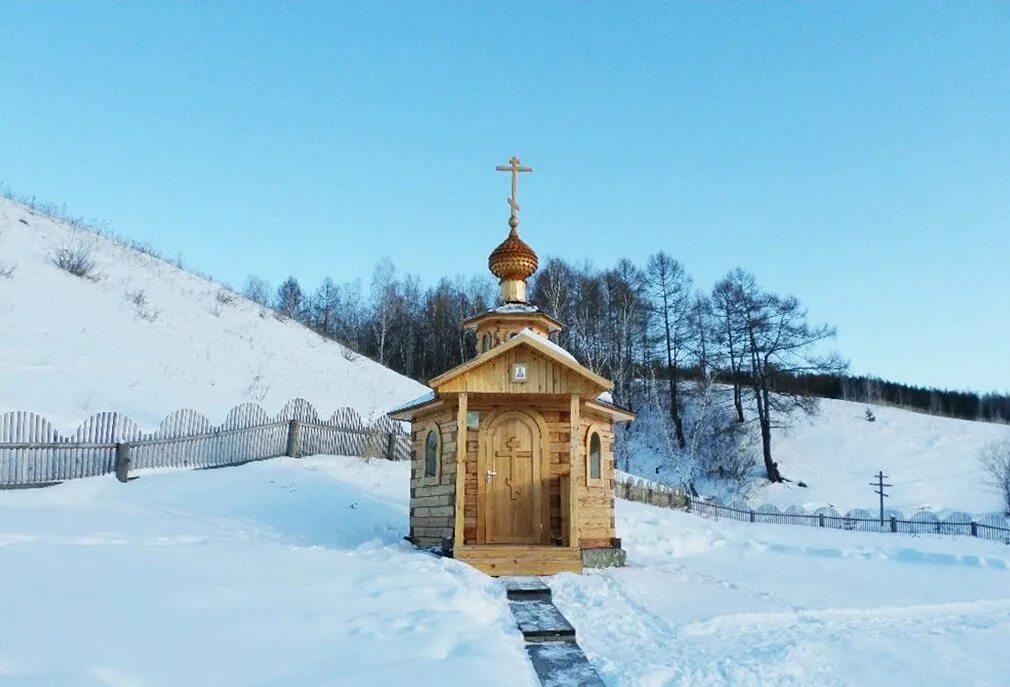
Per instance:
(485,343)
(595,460)
(431,454)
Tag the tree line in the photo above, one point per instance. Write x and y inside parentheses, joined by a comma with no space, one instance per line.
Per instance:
(662,340)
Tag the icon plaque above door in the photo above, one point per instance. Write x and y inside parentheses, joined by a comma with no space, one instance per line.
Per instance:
(519,372)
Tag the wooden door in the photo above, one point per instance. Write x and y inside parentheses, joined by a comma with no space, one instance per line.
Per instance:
(511,472)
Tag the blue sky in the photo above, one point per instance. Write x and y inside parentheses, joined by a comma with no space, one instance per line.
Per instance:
(854,154)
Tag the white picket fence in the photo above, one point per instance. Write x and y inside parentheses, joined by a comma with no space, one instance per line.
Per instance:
(33,453)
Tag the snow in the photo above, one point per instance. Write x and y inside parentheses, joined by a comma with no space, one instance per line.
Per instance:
(284,572)
(420,400)
(933,462)
(724,603)
(294,572)
(530,334)
(515,307)
(74,347)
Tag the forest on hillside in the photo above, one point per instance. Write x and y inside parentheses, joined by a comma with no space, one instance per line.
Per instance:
(747,355)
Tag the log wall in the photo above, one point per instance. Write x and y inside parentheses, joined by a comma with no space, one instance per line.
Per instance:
(432,512)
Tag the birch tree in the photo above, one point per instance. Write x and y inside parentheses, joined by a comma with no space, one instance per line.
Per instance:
(669,289)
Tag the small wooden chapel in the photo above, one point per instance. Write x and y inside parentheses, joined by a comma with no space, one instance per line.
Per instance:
(513,450)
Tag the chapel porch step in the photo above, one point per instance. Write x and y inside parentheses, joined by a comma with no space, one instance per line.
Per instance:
(509,559)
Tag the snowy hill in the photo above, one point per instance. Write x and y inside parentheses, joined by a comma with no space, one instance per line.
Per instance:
(933,462)
(293,572)
(147,338)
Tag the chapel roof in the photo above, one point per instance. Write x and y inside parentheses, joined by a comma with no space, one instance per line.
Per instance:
(537,342)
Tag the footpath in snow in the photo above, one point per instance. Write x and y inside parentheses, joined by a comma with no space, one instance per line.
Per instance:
(294,572)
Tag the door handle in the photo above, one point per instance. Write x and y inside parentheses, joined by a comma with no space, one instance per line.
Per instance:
(490,475)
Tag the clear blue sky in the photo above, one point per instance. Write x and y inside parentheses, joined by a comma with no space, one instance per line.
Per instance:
(854,154)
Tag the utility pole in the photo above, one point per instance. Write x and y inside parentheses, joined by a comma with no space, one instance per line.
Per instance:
(879,484)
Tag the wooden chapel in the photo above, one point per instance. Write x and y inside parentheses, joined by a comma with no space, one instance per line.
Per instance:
(513,450)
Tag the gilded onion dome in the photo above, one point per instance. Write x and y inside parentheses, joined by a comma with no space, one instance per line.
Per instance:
(513,259)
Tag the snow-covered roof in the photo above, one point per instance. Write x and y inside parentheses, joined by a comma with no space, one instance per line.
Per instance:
(512,310)
(515,307)
(419,401)
(527,332)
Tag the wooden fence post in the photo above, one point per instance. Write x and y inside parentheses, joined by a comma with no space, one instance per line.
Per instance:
(820,519)
(122,462)
(752,516)
(974,528)
(294,448)
(391,446)
(894,523)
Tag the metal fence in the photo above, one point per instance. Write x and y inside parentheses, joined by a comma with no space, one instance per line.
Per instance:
(991,526)
(33,453)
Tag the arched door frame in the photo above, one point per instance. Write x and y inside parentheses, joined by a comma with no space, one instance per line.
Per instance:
(541,469)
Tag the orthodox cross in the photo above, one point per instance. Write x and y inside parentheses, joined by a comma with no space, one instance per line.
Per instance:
(514,167)
(514,454)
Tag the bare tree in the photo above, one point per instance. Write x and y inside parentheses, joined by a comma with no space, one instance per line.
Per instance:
(728,331)
(257,290)
(475,295)
(290,299)
(588,319)
(551,287)
(780,342)
(995,461)
(324,308)
(625,285)
(669,290)
(383,302)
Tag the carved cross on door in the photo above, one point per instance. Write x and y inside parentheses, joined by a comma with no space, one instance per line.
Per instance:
(513,454)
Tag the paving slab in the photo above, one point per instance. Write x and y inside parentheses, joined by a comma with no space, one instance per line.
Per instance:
(541,621)
(525,588)
(562,664)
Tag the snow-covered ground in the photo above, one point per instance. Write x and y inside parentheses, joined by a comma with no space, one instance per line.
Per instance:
(725,603)
(278,573)
(293,572)
(74,347)
(932,461)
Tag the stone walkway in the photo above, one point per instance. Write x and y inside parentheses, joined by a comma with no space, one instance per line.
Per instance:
(550,638)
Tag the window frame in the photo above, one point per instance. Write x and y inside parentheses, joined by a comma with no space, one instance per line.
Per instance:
(421,453)
(599,430)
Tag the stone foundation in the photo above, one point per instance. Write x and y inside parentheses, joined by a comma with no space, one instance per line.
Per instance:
(614,557)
